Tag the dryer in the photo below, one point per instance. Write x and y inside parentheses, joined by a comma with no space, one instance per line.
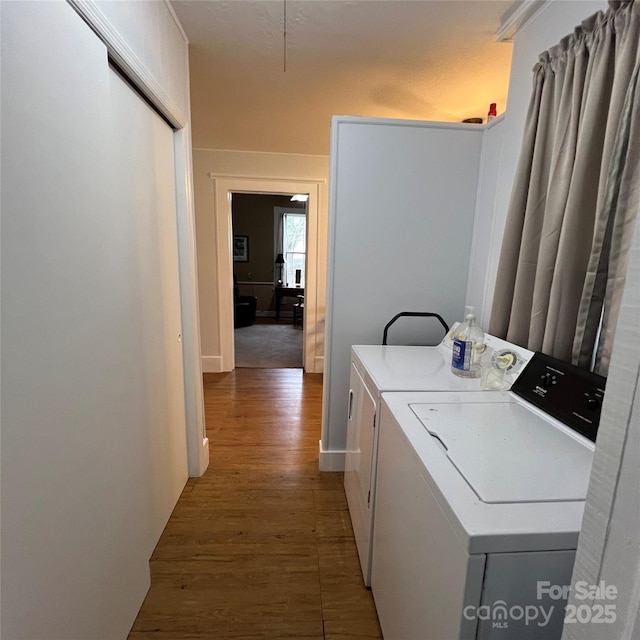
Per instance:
(379,369)
(479,504)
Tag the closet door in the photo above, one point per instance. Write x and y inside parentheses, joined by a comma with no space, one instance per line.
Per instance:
(144,189)
(93,426)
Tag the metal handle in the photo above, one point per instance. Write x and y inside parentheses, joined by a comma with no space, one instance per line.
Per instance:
(350,403)
(414,314)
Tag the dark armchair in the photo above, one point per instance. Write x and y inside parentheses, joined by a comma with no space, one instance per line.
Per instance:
(244,307)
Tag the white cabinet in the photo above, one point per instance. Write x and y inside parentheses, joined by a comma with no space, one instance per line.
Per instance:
(359,474)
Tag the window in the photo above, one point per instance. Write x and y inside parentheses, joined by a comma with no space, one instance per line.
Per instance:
(294,245)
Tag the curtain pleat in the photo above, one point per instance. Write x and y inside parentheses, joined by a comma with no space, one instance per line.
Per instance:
(529,165)
(564,246)
(589,111)
(622,205)
(618,209)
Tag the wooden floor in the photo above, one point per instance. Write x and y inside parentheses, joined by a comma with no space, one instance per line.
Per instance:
(261,546)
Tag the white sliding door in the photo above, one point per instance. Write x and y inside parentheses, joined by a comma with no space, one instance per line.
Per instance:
(93,425)
(145,212)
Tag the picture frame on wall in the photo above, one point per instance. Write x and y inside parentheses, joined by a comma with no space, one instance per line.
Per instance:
(241,248)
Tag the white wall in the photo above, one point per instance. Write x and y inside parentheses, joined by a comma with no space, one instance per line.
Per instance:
(209,163)
(93,435)
(403,196)
(492,140)
(557,19)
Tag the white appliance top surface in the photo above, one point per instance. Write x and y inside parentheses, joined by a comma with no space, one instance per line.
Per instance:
(502,490)
(405,368)
(396,368)
(507,454)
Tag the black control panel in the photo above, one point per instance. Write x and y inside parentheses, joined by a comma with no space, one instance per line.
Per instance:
(572,395)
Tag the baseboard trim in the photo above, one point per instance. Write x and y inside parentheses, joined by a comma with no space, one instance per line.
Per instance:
(211,364)
(331,460)
(203,460)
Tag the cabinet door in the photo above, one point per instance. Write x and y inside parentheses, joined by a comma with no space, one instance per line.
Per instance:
(358,475)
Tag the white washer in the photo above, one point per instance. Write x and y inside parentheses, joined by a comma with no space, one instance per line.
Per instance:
(377,369)
(479,499)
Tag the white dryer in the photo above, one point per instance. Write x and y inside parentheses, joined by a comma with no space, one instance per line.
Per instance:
(479,503)
(378,369)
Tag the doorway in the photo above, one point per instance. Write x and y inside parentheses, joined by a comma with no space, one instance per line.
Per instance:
(269,234)
(313,330)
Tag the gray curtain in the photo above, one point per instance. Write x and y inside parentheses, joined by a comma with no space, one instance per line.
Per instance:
(576,193)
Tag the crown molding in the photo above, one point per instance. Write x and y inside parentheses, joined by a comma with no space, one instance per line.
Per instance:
(520,12)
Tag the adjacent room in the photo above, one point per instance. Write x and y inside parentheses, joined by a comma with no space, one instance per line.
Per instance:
(269,265)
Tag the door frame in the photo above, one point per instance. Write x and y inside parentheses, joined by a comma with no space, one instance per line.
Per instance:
(223,187)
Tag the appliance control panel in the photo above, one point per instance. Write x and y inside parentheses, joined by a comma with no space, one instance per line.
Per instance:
(571,394)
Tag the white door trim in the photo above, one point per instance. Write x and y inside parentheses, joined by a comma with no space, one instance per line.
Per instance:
(130,64)
(223,187)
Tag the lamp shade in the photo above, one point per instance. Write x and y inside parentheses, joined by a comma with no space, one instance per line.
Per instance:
(279,259)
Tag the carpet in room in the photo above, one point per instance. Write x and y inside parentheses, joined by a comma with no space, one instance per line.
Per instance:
(269,346)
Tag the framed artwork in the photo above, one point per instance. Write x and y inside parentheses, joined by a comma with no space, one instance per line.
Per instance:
(241,248)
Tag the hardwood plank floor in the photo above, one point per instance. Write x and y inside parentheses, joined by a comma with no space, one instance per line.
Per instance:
(261,546)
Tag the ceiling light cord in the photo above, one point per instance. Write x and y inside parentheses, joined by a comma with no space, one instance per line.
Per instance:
(284,36)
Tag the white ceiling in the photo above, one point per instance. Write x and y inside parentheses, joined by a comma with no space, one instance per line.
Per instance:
(421,59)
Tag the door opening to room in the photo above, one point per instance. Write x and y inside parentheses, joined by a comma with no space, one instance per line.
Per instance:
(269,267)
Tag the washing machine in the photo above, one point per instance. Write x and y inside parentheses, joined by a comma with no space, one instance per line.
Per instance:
(479,503)
(375,370)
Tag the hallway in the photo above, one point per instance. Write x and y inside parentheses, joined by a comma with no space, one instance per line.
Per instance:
(261,546)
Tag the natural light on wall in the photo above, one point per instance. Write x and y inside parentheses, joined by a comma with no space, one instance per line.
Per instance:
(300,197)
